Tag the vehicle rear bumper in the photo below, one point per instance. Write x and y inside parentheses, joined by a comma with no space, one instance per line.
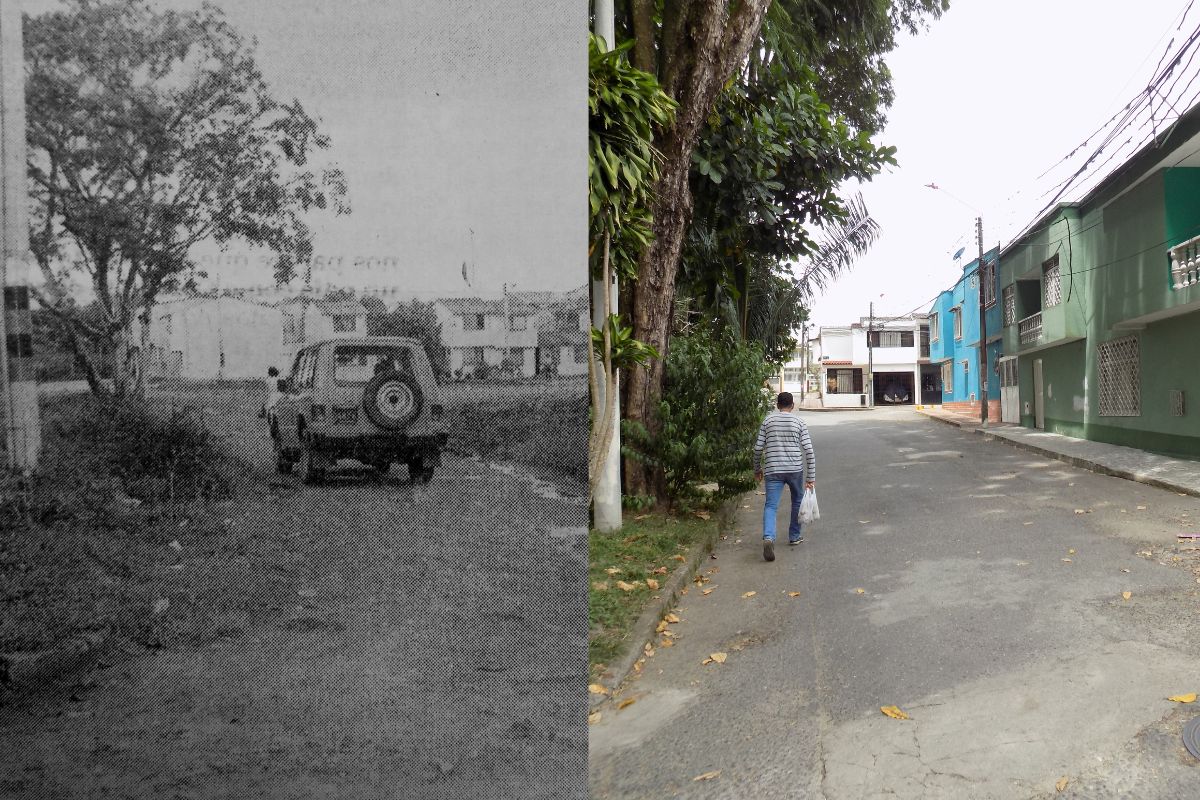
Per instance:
(392,447)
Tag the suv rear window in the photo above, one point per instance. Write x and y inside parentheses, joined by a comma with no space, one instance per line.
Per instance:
(358,363)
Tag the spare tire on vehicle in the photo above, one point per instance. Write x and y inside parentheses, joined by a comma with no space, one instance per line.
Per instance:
(391,400)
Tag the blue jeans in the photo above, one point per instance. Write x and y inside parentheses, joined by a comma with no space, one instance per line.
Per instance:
(774,484)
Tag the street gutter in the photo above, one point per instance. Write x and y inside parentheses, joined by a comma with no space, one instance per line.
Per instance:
(644,629)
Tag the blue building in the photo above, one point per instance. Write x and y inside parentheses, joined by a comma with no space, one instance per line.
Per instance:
(954,337)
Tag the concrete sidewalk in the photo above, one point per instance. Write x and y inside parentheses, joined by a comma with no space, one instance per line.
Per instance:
(1177,475)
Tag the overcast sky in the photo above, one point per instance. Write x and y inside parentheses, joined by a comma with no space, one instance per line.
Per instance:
(994,94)
(460,125)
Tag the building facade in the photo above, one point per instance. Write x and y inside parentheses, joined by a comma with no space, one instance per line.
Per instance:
(1102,306)
(954,341)
(875,361)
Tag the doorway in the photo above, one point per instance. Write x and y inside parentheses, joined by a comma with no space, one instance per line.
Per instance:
(1039,397)
(1010,399)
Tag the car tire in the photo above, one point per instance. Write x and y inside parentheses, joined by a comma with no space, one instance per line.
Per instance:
(421,468)
(391,400)
(312,469)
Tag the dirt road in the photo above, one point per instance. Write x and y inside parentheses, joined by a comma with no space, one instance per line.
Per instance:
(394,641)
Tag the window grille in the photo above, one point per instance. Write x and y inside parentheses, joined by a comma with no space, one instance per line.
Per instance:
(1120,378)
(989,284)
(1010,304)
(1053,282)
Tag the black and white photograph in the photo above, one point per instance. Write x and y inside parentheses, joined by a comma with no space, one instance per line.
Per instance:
(296,399)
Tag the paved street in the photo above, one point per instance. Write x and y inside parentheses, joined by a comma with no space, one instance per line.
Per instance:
(428,645)
(990,611)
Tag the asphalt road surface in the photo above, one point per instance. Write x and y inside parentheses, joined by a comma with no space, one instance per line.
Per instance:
(977,587)
(434,648)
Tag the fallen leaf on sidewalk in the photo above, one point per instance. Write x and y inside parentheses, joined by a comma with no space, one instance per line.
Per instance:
(860,591)
(718,658)
(593,718)
(659,571)
(648,650)
(652,584)
(1026,523)
(1067,560)
(863,521)
(600,586)
(1062,782)
(1022,563)
(614,570)
(793,594)
(672,618)
(662,626)
(749,594)
(678,558)
(627,587)
(1082,511)
(596,688)
(1190,697)
(1126,595)
(707,776)
(1141,508)
(706,591)
(893,712)
(1124,569)
(1071,552)
(626,703)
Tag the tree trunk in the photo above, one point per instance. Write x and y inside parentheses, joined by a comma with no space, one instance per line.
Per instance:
(696,60)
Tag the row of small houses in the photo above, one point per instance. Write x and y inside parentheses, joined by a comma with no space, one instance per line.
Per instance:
(1092,317)
(232,338)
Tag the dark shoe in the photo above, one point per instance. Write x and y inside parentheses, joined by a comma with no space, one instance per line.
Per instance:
(796,541)
(768,550)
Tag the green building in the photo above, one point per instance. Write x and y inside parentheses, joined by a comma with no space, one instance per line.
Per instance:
(1101,307)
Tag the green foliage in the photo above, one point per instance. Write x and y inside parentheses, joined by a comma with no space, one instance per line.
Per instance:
(627,352)
(625,105)
(712,406)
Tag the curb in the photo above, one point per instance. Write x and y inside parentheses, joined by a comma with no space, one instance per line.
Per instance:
(28,670)
(643,630)
(1076,461)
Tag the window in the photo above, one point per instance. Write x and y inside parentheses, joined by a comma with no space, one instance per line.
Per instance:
(933,327)
(472,322)
(948,376)
(359,363)
(304,369)
(519,324)
(924,341)
(1120,378)
(1008,373)
(166,323)
(891,338)
(1052,281)
(989,284)
(957,314)
(344,323)
(844,381)
(792,374)
(1010,304)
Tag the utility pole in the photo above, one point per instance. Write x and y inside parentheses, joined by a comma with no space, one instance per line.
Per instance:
(606,501)
(870,359)
(983,365)
(803,360)
(17,376)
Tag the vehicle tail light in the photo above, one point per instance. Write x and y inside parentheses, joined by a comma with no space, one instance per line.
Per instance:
(316,412)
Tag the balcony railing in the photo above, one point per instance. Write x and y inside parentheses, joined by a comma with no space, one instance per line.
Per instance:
(1030,328)
(1185,264)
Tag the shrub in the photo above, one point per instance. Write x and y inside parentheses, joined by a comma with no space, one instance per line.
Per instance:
(712,406)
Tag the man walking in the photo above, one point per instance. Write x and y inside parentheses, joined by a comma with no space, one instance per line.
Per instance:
(783,454)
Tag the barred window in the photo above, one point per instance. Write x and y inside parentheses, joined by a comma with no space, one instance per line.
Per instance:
(1010,304)
(792,374)
(1120,378)
(1053,282)
(989,284)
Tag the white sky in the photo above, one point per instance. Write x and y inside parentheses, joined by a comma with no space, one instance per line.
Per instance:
(460,125)
(991,97)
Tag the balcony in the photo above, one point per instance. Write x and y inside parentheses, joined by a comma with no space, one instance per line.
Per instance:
(1185,264)
(1030,329)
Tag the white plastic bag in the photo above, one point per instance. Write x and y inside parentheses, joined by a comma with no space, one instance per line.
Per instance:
(809,510)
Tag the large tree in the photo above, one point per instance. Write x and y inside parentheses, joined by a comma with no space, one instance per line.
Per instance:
(149,132)
(698,48)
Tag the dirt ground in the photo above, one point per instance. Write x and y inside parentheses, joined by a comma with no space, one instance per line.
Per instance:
(389,641)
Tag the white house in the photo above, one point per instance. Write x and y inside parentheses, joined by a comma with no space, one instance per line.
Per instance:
(312,319)
(899,350)
(214,338)
(492,332)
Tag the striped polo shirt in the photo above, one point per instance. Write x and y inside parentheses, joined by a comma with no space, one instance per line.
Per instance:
(783,445)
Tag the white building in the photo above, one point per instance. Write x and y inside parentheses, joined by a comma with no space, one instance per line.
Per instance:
(313,319)
(214,338)
(895,348)
(493,332)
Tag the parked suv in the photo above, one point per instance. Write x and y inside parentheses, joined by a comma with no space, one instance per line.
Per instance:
(373,399)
